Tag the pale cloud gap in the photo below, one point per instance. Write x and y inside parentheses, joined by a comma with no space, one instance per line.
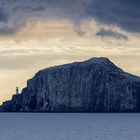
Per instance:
(27,60)
(33,44)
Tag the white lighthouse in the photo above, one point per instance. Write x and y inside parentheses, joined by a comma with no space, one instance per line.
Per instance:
(17,91)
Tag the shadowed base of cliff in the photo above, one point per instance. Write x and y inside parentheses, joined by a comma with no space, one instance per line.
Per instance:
(95,85)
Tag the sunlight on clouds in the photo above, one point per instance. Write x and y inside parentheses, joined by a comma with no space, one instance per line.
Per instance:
(39,44)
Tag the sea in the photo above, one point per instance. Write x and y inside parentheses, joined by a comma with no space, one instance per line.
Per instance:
(69,126)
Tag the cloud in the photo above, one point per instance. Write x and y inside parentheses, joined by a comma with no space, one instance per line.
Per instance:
(109,33)
(3,16)
(28,9)
(20,12)
(122,13)
(6,31)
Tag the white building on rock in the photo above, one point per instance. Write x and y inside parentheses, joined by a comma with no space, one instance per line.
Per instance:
(17,90)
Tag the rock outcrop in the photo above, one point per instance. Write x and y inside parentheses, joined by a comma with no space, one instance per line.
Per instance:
(95,85)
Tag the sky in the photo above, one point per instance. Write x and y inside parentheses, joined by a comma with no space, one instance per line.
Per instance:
(35,34)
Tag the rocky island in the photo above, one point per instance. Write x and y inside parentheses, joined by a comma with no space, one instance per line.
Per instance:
(95,85)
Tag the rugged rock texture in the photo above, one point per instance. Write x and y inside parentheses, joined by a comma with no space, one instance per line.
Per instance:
(96,85)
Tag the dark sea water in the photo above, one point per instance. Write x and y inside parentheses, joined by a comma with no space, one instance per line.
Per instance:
(70,126)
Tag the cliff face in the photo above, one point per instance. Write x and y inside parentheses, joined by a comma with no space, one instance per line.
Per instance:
(96,85)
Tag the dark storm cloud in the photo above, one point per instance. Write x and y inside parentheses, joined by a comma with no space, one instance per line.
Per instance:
(109,33)
(3,16)
(122,13)
(6,31)
(28,9)
(19,12)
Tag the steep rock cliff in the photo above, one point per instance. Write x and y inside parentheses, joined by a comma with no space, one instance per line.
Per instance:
(95,85)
